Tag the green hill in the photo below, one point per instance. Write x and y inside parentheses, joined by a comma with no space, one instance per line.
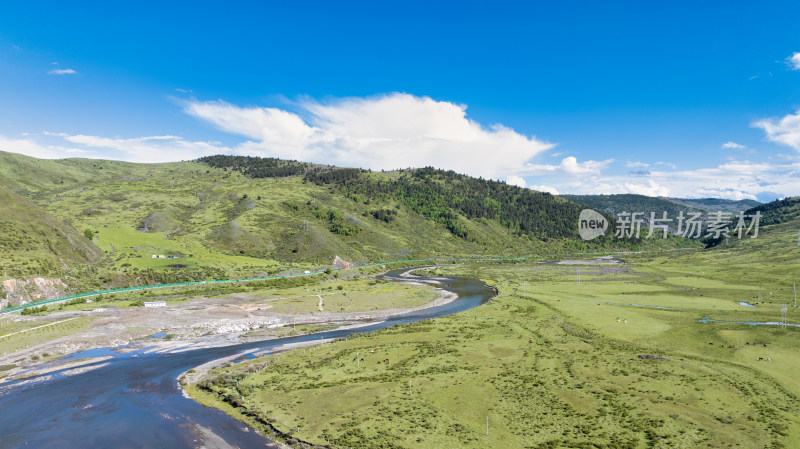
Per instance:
(627,202)
(34,242)
(717,203)
(779,211)
(228,216)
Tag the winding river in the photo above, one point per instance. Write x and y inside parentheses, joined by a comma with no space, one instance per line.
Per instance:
(132,400)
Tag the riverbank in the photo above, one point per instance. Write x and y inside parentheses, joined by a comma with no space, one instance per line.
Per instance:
(206,323)
(109,398)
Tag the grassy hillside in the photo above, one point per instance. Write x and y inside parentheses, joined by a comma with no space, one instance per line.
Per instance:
(614,204)
(779,211)
(717,203)
(34,242)
(41,178)
(231,217)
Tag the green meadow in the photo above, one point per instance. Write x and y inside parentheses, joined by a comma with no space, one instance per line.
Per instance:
(15,336)
(621,359)
(344,296)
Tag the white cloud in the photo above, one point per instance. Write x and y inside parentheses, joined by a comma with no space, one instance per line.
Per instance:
(141,149)
(794,61)
(667,164)
(733,146)
(28,147)
(62,72)
(516,181)
(548,189)
(385,132)
(649,188)
(149,149)
(636,164)
(570,166)
(785,131)
(731,180)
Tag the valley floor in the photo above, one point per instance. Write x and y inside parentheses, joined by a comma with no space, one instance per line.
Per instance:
(28,341)
(620,359)
(601,353)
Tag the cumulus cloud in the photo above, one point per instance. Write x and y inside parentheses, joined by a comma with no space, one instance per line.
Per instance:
(140,149)
(548,189)
(62,72)
(28,147)
(649,188)
(794,61)
(149,149)
(785,131)
(516,181)
(570,166)
(401,130)
(384,132)
(733,146)
(732,180)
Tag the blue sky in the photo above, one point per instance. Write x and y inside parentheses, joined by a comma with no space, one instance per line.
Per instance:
(677,98)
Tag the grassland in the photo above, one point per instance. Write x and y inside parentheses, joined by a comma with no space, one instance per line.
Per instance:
(358,295)
(34,241)
(15,336)
(554,363)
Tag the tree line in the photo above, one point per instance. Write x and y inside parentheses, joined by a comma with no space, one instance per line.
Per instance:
(442,196)
(257,167)
(446,196)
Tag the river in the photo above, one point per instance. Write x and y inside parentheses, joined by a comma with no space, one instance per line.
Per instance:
(132,400)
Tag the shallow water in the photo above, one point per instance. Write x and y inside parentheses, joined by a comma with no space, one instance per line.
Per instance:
(708,320)
(132,400)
